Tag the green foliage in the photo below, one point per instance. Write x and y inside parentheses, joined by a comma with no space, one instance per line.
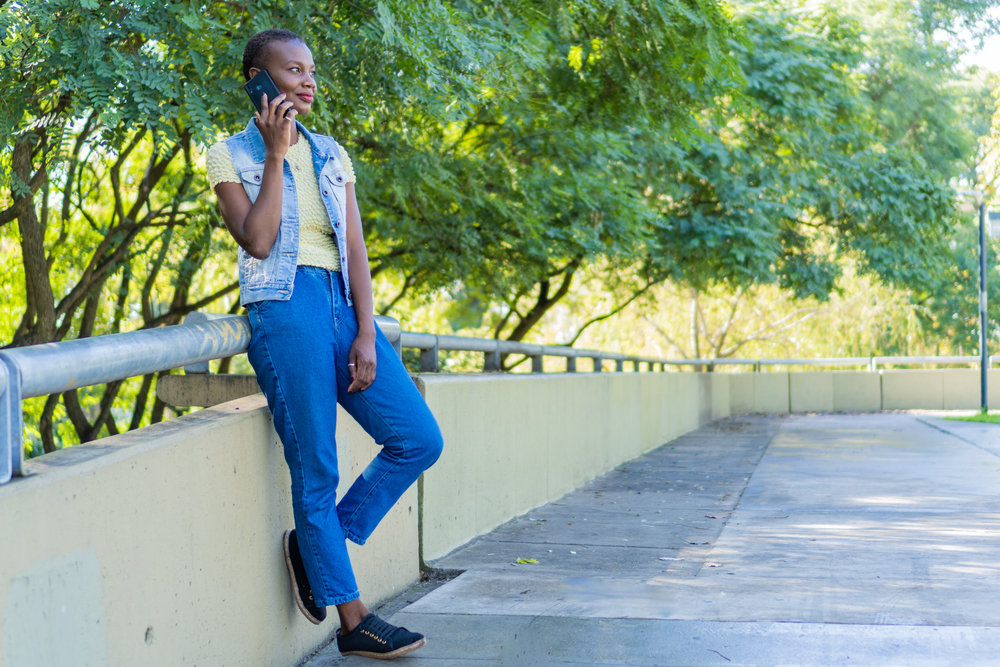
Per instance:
(104,109)
(512,198)
(504,151)
(805,176)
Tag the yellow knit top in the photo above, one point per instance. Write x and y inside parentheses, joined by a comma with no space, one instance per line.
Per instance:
(317,244)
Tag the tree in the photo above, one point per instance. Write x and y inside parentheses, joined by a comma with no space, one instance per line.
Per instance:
(783,177)
(103,110)
(507,205)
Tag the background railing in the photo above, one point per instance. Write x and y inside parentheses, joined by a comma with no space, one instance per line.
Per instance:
(51,368)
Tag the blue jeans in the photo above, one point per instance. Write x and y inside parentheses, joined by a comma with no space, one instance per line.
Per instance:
(299,349)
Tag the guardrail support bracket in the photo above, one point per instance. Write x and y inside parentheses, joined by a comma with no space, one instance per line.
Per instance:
(429,359)
(11,426)
(536,364)
(491,362)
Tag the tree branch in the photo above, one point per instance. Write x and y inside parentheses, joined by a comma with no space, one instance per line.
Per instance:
(614,311)
(407,283)
(666,337)
(175,314)
(544,303)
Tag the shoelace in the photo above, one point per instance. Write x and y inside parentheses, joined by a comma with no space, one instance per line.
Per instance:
(379,629)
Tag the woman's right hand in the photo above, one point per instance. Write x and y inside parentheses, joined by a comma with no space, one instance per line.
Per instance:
(255,225)
(275,121)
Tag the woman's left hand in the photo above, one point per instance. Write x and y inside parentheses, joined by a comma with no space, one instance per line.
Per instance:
(362,362)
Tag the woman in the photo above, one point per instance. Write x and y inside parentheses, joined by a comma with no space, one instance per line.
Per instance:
(287,197)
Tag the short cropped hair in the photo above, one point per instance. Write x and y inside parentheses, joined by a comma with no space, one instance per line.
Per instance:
(256,51)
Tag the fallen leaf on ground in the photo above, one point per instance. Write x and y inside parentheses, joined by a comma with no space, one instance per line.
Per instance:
(668,558)
(714,564)
(713,516)
(525,561)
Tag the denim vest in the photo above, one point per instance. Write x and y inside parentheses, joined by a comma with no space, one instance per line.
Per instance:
(272,278)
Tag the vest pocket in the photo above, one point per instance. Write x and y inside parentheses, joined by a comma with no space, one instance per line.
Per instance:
(334,185)
(251,179)
(337,181)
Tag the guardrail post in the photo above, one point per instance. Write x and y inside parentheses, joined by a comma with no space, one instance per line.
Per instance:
(636,366)
(11,426)
(6,460)
(598,364)
(536,364)
(198,317)
(491,364)
(429,359)
(619,365)
(570,364)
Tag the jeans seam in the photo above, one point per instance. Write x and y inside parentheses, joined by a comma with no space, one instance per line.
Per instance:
(298,453)
(374,485)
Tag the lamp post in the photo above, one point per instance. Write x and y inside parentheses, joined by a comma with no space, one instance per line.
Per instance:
(984,355)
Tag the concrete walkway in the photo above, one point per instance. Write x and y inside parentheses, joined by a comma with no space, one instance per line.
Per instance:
(806,540)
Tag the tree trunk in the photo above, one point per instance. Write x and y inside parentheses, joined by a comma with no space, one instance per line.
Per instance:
(695,343)
(36,265)
(45,424)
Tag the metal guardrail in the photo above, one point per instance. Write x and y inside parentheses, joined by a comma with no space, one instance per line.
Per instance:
(52,368)
(871,363)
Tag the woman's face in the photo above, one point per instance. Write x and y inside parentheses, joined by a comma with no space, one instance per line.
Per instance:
(291,66)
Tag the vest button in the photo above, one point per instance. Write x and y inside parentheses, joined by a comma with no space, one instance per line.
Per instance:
(324,193)
(256,177)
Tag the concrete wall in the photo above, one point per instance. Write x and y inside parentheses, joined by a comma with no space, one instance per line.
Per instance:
(946,389)
(514,442)
(856,391)
(758,392)
(829,391)
(162,547)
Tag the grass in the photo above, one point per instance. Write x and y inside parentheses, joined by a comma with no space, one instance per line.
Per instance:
(979,419)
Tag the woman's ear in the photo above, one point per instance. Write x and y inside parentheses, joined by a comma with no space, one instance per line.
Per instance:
(253,71)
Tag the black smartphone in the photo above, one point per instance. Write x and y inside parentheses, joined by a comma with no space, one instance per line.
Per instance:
(261,84)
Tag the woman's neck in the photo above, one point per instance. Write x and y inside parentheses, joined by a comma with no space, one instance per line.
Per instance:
(295,135)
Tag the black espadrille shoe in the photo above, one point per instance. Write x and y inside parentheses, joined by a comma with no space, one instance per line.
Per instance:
(374,638)
(300,582)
